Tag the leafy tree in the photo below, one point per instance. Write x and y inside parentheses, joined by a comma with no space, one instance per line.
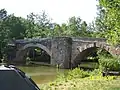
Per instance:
(30,24)
(108,20)
(73,26)
(84,30)
(16,27)
(77,27)
(64,30)
(3,28)
(91,28)
(3,31)
(38,25)
(11,27)
(57,30)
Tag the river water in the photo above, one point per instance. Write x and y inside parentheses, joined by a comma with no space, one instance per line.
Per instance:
(41,74)
(44,74)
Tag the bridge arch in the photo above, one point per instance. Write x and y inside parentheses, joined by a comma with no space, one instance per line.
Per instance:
(22,52)
(104,46)
(36,45)
(91,48)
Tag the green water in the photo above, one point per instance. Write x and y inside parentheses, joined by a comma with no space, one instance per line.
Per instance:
(41,74)
(45,74)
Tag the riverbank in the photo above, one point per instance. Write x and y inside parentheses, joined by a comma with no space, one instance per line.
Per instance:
(83,81)
(83,84)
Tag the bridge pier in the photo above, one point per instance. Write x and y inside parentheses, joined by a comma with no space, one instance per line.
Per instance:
(20,57)
(61,52)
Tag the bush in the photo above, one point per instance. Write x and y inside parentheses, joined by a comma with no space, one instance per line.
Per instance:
(96,72)
(77,73)
(73,74)
(107,63)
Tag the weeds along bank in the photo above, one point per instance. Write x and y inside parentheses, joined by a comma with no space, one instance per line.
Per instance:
(84,84)
(83,80)
(78,79)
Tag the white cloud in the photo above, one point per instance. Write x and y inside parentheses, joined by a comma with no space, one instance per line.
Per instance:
(58,10)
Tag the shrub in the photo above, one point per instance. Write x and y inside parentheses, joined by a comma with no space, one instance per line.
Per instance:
(107,63)
(77,73)
(73,74)
(96,72)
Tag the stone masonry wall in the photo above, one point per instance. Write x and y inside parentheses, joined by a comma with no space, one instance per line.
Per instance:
(61,51)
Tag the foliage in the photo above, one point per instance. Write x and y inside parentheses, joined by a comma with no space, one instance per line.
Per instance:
(84,84)
(16,27)
(96,72)
(75,73)
(76,27)
(38,25)
(108,20)
(109,63)
(3,31)
(103,53)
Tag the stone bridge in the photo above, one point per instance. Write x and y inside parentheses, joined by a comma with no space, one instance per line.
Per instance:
(66,52)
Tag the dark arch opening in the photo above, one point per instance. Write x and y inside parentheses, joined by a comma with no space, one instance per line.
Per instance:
(36,54)
(88,58)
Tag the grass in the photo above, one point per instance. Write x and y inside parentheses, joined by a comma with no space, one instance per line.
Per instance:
(84,84)
(83,80)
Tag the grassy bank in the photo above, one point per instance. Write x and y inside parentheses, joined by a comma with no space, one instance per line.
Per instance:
(83,80)
(84,84)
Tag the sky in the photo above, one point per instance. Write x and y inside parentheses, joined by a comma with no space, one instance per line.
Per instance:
(59,10)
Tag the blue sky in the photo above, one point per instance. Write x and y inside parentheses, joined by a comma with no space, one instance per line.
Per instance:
(58,10)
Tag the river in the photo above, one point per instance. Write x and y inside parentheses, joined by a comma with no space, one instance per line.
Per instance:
(44,74)
(41,74)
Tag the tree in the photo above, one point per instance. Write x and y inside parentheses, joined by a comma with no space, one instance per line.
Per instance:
(57,30)
(38,25)
(108,20)
(77,27)
(3,31)
(16,27)
(73,26)
(11,27)
(64,30)
(84,31)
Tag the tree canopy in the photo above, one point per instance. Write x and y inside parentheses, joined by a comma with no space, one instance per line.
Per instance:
(108,20)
